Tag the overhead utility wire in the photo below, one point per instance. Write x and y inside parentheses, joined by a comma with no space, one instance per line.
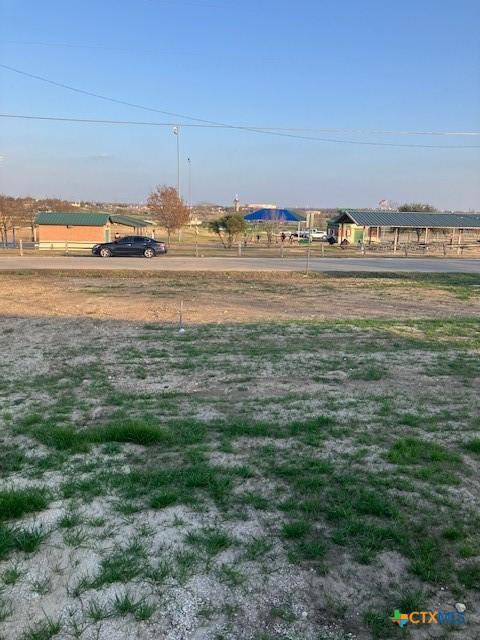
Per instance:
(219,126)
(267,130)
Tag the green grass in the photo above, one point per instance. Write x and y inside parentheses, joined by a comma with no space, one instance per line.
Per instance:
(336,471)
(184,565)
(469,576)
(209,540)
(409,451)
(461,365)
(11,459)
(6,609)
(309,550)
(473,446)
(44,630)
(41,586)
(256,501)
(69,519)
(76,538)
(121,565)
(125,605)
(133,431)
(257,548)
(95,612)
(369,374)
(14,503)
(142,431)
(20,539)
(412,601)
(11,575)
(231,576)
(295,529)
(379,625)
(164,499)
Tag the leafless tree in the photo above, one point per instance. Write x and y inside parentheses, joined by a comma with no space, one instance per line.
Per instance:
(168,208)
(272,227)
(8,212)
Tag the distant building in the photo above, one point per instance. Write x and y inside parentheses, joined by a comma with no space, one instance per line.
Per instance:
(255,206)
(236,203)
(84,229)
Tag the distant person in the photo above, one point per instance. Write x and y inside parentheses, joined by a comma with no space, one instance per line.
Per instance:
(117,236)
(258,238)
(283,237)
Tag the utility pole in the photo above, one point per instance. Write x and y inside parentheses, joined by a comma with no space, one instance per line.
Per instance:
(176,132)
(189,183)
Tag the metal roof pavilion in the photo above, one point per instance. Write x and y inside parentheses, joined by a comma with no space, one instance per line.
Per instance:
(408,219)
(87,219)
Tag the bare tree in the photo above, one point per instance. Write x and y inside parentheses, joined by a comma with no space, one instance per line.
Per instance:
(8,211)
(272,227)
(168,208)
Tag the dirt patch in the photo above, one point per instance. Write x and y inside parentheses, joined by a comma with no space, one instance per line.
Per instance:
(228,297)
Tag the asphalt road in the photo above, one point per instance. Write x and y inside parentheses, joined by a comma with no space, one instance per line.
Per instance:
(425,265)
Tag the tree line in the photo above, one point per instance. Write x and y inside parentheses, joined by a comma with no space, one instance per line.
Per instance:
(164,206)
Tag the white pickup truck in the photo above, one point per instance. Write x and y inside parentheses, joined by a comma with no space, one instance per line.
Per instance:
(314,234)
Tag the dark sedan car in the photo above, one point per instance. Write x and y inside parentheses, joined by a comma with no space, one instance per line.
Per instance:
(130,246)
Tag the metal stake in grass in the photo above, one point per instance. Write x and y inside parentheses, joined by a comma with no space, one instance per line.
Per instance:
(181,328)
(307,267)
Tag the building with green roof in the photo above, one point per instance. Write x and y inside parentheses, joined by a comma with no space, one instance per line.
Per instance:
(353,226)
(83,229)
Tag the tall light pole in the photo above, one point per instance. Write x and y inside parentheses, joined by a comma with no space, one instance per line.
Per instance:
(189,182)
(176,132)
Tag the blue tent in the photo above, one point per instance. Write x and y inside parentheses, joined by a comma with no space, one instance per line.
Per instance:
(273,215)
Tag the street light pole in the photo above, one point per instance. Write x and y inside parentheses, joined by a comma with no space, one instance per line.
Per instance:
(189,183)
(176,132)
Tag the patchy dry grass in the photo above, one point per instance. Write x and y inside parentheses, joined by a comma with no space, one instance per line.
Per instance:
(259,480)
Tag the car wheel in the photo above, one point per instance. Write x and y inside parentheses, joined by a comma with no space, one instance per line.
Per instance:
(105,253)
(149,253)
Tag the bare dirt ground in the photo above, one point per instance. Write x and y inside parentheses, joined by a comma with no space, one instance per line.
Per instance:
(293,469)
(233,297)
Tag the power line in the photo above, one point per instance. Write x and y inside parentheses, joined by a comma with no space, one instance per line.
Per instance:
(287,131)
(220,126)
(108,98)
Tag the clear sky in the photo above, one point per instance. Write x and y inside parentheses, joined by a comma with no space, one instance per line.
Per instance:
(361,64)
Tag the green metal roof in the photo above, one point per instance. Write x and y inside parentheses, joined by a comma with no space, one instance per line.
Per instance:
(87,219)
(80,219)
(129,221)
(409,219)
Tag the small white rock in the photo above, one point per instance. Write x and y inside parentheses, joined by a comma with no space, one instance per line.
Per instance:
(460,607)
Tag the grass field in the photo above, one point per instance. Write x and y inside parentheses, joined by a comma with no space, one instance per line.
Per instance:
(296,479)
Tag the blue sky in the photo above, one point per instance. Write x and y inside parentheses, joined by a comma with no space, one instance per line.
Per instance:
(370,64)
